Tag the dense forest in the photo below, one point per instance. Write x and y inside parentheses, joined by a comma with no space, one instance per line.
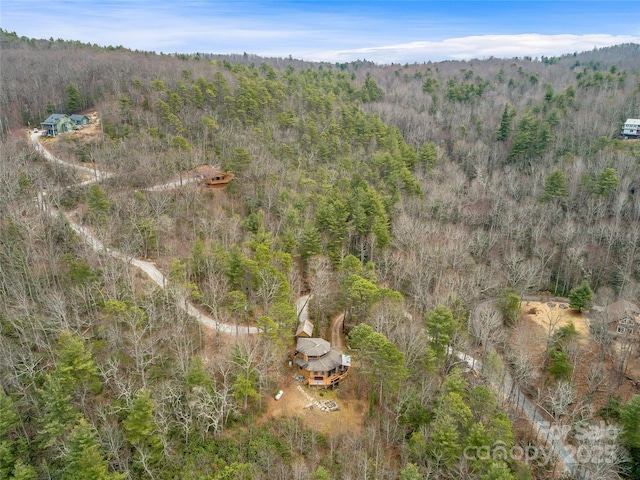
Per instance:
(426,201)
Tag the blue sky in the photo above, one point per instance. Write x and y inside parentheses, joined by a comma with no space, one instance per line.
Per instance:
(335,31)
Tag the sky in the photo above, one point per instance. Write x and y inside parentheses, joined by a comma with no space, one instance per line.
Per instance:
(385,32)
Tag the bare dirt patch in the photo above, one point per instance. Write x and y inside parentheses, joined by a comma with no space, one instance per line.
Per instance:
(558,314)
(539,320)
(294,403)
(547,317)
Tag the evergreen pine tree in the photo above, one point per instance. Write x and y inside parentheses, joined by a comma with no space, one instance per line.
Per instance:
(580,297)
(505,125)
(85,460)
(74,99)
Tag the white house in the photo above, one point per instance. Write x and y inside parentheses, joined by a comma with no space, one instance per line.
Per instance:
(631,128)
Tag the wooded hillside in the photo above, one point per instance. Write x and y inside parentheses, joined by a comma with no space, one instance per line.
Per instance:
(405,195)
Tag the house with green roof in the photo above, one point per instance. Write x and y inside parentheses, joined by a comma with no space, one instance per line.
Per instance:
(80,120)
(56,123)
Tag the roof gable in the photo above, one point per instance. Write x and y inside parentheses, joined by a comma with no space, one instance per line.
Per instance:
(305,327)
(313,347)
(54,118)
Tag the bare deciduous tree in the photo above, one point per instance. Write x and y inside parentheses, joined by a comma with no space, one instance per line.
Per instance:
(560,399)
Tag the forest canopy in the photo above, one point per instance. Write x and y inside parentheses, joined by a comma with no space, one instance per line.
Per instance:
(424,202)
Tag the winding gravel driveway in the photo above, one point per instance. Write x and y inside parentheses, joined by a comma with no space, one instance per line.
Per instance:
(148,268)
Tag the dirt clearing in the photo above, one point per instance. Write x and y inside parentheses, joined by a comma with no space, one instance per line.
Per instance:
(555,315)
(302,402)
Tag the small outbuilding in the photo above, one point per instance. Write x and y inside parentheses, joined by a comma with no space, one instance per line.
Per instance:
(305,329)
(80,120)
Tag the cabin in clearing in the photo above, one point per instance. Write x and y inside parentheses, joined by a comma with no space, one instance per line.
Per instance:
(318,364)
(211,177)
(56,123)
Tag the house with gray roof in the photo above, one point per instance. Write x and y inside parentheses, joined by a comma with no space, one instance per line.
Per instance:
(319,365)
(59,123)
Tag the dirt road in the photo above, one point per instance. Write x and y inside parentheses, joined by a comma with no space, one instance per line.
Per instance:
(148,268)
(337,342)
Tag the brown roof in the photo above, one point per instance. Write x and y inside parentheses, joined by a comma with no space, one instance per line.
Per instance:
(207,171)
(622,309)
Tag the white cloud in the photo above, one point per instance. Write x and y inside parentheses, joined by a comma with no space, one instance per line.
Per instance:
(477,46)
(310,34)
